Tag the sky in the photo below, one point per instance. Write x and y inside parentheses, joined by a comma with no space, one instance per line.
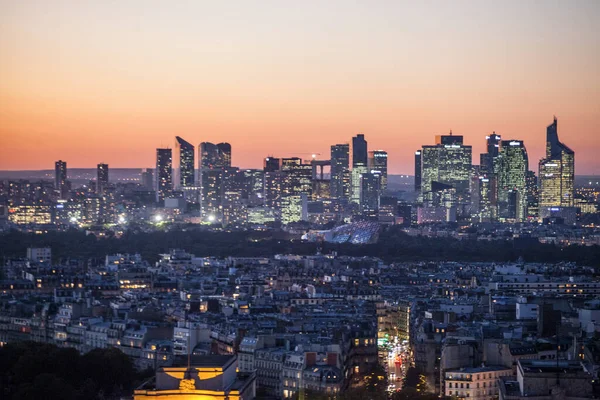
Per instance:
(92,81)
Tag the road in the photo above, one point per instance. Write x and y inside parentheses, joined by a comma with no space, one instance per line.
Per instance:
(396,365)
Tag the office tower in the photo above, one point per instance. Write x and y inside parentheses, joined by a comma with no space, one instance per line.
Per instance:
(60,178)
(214,156)
(272,164)
(448,163)
(533,196)
(92,210)
(294,208)
(273,188)
(297,177)
(487,210)
(418,161)
(321,187)
(556,172)
(388,209)
(369,194)
(359,166)
(486,160)
(213,160)
(212,180)
(378,162)
(225,152)
(254,186)
(164,174)
(512,180)
(184,163)
(147,179)
(235,212)
(340,171)
(102,178)
(359,150)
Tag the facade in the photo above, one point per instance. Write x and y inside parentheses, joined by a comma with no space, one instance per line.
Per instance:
(184,163)
(512,180)
(474,383)
(101,178)
(340,171)
(556,172)
(447,162)
(359,166)
(164,174)
(378,161)
(370,193)
(60,178)
(208,377)
(418,165)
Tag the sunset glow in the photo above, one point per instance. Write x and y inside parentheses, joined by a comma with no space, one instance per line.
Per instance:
(110,81)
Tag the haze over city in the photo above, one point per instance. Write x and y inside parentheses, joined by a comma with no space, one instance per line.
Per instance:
(110,82)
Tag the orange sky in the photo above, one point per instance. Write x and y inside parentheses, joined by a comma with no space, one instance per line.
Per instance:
(89,82)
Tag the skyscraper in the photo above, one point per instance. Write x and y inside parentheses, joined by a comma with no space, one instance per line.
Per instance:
(512,180)
(60,177)
(378,160)
(213,156)
(340,171)
(359,150)
(164,173)
(370,193)
(448,162)
(184,163)
(556,172)
(102,178)
(297,178)
(359,166)
(486,160)
(418,161)
(272,164)
(214,159)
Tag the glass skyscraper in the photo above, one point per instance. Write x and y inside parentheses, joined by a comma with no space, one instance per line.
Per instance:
(378,160)
(556,172)
(512,180)
(340,171)
(184,163)
(164,174)
(102,178)
(359,166)
(447,162)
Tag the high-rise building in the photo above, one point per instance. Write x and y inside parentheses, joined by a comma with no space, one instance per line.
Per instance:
(164,174)
(253,186)
(147,179)
(294,208)
(272,164)
(340,171)
(378,160)
(60,177)
(102,178)
(512,180)
(418,162)
(359,150)
(448,162)
(214,156)
(556,172)
(298,177)
(214,159)
(370,193)
(533,196)
(359,166)
(486,160)
(184,163)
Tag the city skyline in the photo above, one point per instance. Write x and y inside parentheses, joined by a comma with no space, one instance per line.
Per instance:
(90,92)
